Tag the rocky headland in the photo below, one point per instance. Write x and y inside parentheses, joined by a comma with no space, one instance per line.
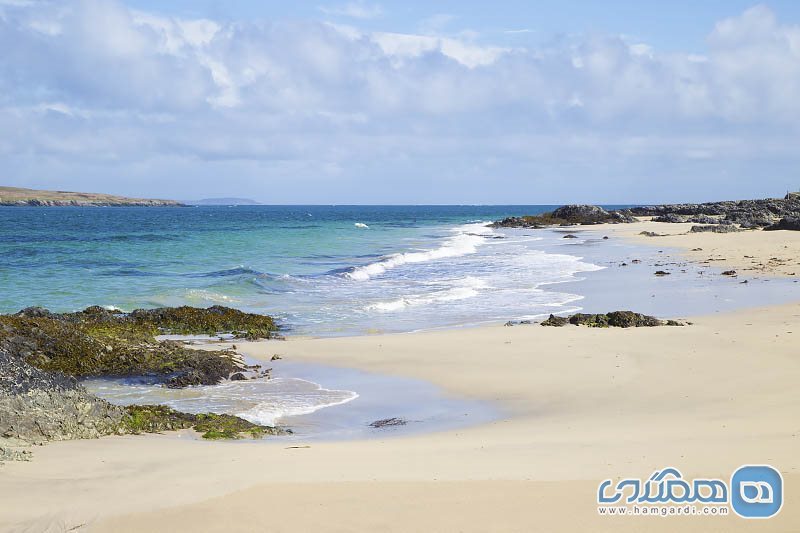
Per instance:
(19,197)
(43,355)
(718,217)
(568,215)
(769,213)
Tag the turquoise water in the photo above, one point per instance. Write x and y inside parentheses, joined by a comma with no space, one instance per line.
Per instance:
(317,268)
(342,270)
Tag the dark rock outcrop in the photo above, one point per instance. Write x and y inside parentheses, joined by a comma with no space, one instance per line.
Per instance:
(718,228)
(786,223)
(556,321)
(614,319)
(745,213)
(567,215)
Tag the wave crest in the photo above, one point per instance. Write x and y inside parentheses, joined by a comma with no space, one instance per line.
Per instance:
(466,241)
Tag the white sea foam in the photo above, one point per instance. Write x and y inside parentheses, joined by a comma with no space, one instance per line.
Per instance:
(203,295)
(308,398)
(468,287)
(361,225)
(260,401)
(466,240)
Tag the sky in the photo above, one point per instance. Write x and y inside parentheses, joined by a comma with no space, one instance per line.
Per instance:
(360,102)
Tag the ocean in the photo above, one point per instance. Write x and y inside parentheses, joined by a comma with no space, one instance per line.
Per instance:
(320,270)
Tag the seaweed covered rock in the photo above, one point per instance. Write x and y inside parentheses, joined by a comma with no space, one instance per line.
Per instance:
(556,321)
(38,406)
(159,418)
(97,341)
(615,319)
(216,319)
(629,319)
(591,320)
(42,354)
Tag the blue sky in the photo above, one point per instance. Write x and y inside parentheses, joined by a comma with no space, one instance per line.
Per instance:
(676,25)
(402,102)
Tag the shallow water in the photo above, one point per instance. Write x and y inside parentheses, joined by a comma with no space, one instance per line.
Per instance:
(294,398)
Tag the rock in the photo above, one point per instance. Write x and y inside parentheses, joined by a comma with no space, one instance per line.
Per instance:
(556,321)
(671,218)
(661,273)
(566,216)
(97,341)
(615,319)
(159,418)
(629,319)
(38,406)
(708,220)
(34,312)
(747,213)
(581,214)
(715,229)
(651,234)
(275,357)
(238,376)
(388,422)
(569,236)
(508,324)
(42,353)
(786,223)
(729,273)
(591,320)
(605,238)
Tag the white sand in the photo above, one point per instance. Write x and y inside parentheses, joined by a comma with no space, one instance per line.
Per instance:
(580,405)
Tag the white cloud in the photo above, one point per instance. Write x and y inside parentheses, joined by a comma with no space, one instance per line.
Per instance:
(93,82)
(357,10)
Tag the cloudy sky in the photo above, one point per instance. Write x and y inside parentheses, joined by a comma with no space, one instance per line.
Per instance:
(402,102)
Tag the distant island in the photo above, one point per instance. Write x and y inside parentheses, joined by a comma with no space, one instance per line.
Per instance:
(224,201)
(15,196)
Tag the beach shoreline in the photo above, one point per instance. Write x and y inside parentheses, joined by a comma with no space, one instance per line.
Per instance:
(581,405)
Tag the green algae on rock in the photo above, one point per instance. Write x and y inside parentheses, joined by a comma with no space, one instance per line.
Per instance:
(616,319)
(99,342)
(158,418)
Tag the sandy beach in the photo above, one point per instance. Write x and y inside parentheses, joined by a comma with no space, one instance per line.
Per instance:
(577,406)
(776,253)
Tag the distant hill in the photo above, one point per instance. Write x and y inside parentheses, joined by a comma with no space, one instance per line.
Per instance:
(15,196)
(224,201)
